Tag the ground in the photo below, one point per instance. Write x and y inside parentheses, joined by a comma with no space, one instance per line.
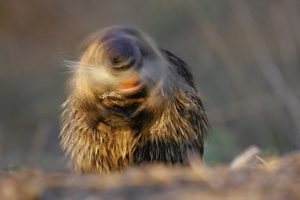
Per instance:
(275,179)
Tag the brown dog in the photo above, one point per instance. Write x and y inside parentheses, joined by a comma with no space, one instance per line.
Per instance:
(130,102)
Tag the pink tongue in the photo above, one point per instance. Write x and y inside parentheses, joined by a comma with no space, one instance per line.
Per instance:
(129,82)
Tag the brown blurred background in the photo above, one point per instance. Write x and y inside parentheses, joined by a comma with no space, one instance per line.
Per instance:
(244,56)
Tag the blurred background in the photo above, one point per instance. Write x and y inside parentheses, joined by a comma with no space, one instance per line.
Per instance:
(244,57)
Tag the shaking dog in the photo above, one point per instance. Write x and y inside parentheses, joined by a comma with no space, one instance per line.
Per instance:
(130,102)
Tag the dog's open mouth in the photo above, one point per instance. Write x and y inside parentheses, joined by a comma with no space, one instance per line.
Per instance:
(129,92)
(130,85)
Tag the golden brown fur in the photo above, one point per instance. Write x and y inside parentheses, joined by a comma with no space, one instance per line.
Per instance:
(159,118)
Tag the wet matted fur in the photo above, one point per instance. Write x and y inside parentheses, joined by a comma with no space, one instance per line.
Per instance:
(130,102)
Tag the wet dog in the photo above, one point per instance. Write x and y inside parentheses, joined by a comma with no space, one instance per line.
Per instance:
(130,102)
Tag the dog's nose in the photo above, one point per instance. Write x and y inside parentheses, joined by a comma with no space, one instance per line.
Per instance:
(121,55)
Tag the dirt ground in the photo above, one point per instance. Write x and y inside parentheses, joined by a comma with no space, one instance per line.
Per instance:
(275,179)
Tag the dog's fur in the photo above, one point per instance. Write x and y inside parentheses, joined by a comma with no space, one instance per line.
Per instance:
(105,129)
